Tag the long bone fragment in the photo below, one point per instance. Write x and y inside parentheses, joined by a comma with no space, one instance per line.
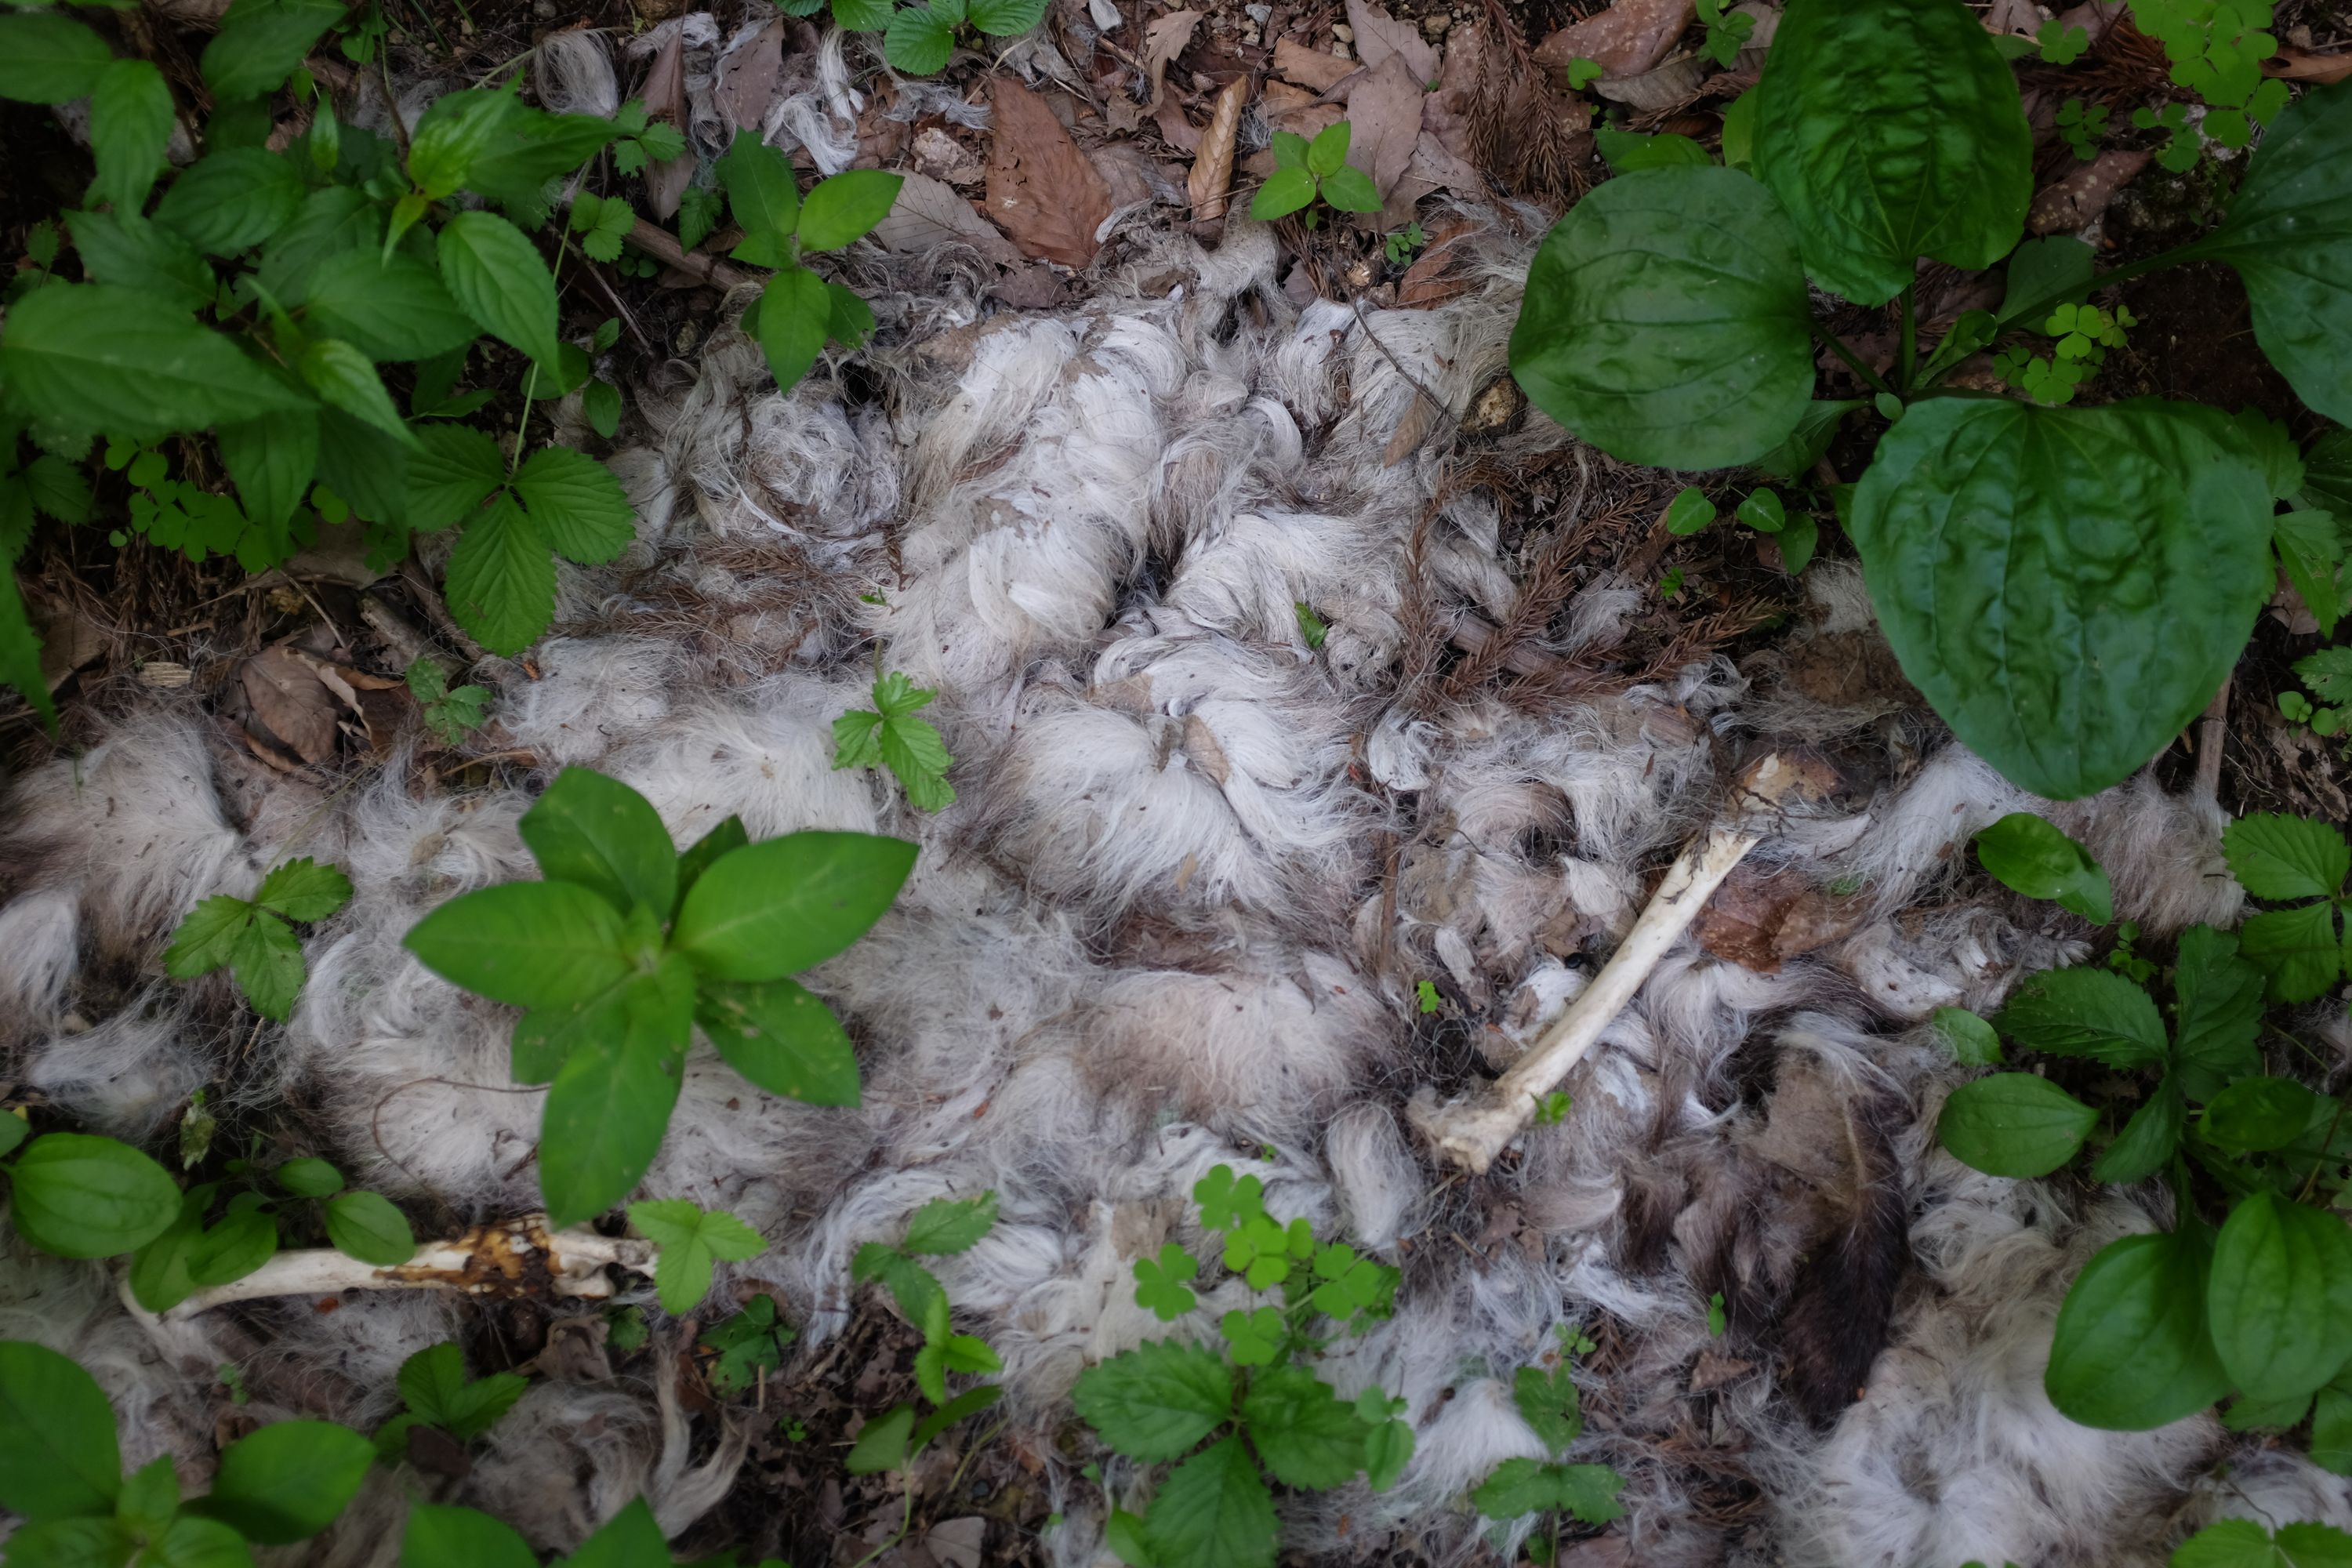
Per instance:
(1474,1128)
(513,1257)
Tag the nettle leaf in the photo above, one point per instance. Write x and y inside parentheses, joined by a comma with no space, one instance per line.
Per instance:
(2288,236)
(344,378)
(1666,321)
(394,307)
(287,1481)
(78,1195)
(921,38)
(691,1239)
(2221,997)
(781,1036)
(576,504)
(272,459)
(534,945)
(332,220)
(1005,18)
(2027,855)
(230,201)
(611,1103)
(2295,948)
(784,905)
(501,580)
(2085,1011)
(2067,586)
(847,208)
(130,252)
(796,318)
(130,126)
(1157,1400)
(1301,1429)
(453,471)
(2014,1124)
(456,134)
(1212,1511)
(599,833)
(1548,1403)
(2131,1352)
(2278,857)
(261,41)
(48,57)
(495,273)
(1890,131)
(58,1457)
(86,357)
(269,967)
(2280,1297)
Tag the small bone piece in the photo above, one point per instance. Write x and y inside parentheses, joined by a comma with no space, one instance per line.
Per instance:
(516,1258)
(1474,1128)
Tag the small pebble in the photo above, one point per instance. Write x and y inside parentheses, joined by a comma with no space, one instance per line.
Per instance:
(1435,26)
(1261,15)
(1339,52)
(1344,33)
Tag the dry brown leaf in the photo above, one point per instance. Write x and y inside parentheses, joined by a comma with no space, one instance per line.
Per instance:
(1411,431)
(929,213)
(1178,132)
(1626,39)
(1435,163)
(1295,62)
(1164,39)
(2076,200)
(1380,37)
(957,1542)
(748,78)
(1384,109)
(1298,111)
(665,96)
(290,704)
(1042,190)
(2012,16)
(2318,68)
(1213,165)
(70,640)
(1432,278)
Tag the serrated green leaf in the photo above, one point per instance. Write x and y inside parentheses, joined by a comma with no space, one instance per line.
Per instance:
(911,1285)
(2297,949)
(453,470)
(48,57)
(781,1037)
(1212,1511)
(130,252)
(228,202)
(302,889)
(535,945)
(501,580)
(58,1457)
(946,1225)
(920,39)
(495,273)
(1005,18)
(331,221)
(207,937)
(1301,1430)
(847,208)
(2085,1011)
(691,1239)
(86,357)
(781,906)
(576,504)
(2221,1013)
(130,125)
(261,41)
(1547,1402)
(269,967)
(1157,1401)
(20,652)
(456,134)
(271,459)
(394,307)
(344,378)
(2278,857)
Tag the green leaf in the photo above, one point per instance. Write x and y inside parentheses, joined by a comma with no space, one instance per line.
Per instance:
(537,149)
(1388,1449)
(1974,1043)
(1005,18)
(1290,148)
(47,57)
(1689,511)
(309,1177)
(1157,1400)
(2014,1124)
(946,1225)
(2328,473)
(272,459)
(242,1242)
(861,15)
(535,945)
(784,905)
(2148,1139)
(2295,948)
(430,1380)
(2280,1299)
(2331,1427)
(367,1226)
(501,580)
(2221,1013)
(600,834)
(1350,190)
(1227,1203)
(160,1277)
(2286,234)
(343,377)
(781,1037)
(2328,672)
(630,1539)
(207,937)
(1763,511)
(475,1408)
(2131,1352)
(1587,1492)
(438,1537)
(1160,1285)
(2067,586)
(453,471)
(691,1239)
(228,202)
(762,196)
(1328,153)
(577,505)
(2085,1011)
(1547,1402)
(2027,855)
(20,652)
(394,307)
(706,850)
(2242,1543)
(494,272)
(149,1496)
(1285,190)
(1301,1430)
(287,1480)
(1212,1511)
(2256,1115)
(2278,857)
(332,221)
(1628,151)
(130,126)
(365,468)
(1515,1488)
(1666,321)
(1817,426)
(921,38)
(261,41)
(457,134)
(1890,131)
(845,207)
(78,1195)
(795,313)
(302,889)
(58,1459)
(1251,1339)
(2043,271)
(911,1285)
(85,357)
(609,1105)
(130,252)
(881,1445)
(268,967)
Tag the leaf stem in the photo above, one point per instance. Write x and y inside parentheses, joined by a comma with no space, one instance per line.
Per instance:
(1909,363)
(1870,377)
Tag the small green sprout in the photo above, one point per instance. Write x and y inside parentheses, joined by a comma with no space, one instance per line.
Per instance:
(1402,243)
(1311,627)
(891,734)
(1583,73)
(1552,1109)
(1304,171)
(448,711)
(1727,33)
(1426,993)
(2062,45)
(2083,126)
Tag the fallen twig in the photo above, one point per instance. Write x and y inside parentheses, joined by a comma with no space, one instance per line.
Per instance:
(1473,1129)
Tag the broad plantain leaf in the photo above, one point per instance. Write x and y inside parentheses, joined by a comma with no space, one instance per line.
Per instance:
(2131,1352)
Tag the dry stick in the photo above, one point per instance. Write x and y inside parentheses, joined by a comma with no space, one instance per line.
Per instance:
(518,1258)
(1473,1128)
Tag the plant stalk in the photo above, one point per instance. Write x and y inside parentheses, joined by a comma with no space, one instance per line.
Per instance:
(1870,377)
(1908,365)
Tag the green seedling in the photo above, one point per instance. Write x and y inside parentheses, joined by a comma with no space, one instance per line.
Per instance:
(2058,45)
(627,946)
(251,938)
(450,712)
(1312,627)
(223,1231)
(798,313)
(692,1240)
(747,1345)
(1583,73)
(1425,996)
(1306,171)
(2083,126)
(892,734)
(435,1392)
(1727,32)
(1552,1109)
(1402,243)
(2182,146)
(1548,1401)
(641,141)
(940,1229)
